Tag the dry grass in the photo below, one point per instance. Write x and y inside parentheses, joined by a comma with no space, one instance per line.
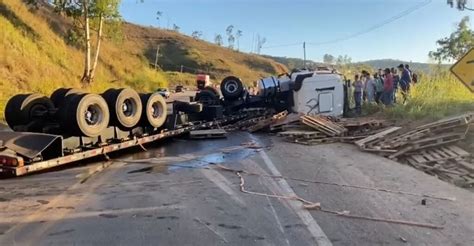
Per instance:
(35,57)
(433,98)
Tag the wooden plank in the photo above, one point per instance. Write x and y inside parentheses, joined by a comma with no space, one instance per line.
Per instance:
(458,150)
(361,143)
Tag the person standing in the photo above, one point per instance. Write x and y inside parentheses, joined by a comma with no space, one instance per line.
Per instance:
(370,88)
(405,81)
(396,83)
(358,89)
(378,87)
(388,88)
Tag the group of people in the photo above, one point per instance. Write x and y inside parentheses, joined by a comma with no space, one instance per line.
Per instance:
(382,86)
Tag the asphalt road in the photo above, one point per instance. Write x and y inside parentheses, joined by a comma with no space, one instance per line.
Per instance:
(173,195)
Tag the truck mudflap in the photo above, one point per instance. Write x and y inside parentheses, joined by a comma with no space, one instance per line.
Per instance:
(32,145)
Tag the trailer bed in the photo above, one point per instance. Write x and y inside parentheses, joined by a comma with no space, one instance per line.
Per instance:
(36,166)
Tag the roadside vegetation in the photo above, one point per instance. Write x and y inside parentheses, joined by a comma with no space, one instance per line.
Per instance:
(39,54)
(432,98)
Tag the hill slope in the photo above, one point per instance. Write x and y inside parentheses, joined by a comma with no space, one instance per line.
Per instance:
(35,56)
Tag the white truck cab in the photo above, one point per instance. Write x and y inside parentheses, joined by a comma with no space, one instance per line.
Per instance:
(313,92)
(319,92)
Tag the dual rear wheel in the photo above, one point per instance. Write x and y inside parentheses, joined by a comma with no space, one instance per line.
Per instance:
(87,114)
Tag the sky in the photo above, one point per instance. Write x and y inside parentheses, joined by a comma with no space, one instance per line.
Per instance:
(362,29)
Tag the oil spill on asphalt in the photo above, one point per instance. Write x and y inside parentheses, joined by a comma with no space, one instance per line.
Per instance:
(213,159)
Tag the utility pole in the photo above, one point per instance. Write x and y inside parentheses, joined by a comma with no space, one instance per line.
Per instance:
(304,51)
(156,56)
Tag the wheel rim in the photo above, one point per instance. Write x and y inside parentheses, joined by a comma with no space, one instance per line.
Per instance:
(128,107)
(231,86)
(156,110)
(93,115)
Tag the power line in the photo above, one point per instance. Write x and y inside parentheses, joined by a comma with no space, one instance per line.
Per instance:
(372,28)
(388,21)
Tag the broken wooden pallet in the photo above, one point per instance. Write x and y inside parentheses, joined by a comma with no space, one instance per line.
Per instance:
(205,134)
(314,141)
(280,124)
(267,122)
(302,134)
(323,125)
(437,154)
(363,143)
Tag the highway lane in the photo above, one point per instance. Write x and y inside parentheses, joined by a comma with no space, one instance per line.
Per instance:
(171,195)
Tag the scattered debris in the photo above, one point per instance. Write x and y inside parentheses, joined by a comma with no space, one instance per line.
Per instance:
(430,147)
(323,125)
(316,206)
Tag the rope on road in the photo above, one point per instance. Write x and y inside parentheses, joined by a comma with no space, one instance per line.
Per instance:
(337,184)
(317,206)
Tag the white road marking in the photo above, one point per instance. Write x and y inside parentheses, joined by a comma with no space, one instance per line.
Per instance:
(223,183)
(305,216)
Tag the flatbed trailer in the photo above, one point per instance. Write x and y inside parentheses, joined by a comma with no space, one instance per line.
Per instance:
(17,151)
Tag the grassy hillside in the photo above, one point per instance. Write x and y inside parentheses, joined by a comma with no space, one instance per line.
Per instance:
(35,56)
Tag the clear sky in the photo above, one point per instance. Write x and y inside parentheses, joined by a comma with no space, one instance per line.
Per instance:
(397,29)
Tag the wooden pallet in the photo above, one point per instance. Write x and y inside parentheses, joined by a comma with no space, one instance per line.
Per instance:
(323,125)
(365,142)
(267,122)
(311,141)
(301,134)
(207,134)
(438,154)
(437,140)
(280,124)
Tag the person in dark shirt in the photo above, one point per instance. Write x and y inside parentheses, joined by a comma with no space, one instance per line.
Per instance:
(405,81)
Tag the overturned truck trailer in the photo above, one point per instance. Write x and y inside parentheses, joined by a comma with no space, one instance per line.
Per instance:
(71,125)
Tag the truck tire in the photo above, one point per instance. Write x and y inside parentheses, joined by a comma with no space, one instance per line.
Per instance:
(231,88)
(125,107)
(207,97)
(154,109)
(58,95)
(84,115)
(23,109)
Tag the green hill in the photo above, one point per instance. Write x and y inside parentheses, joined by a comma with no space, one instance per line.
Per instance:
(36,57)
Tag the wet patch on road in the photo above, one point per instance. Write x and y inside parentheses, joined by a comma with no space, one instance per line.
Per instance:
(233,227)
(142,170)
(251,237)
(108,216)
(61,232)
(167,217)
(214,159)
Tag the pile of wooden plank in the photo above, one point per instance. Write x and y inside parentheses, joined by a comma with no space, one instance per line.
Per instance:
(257,123)
(430,148)
(311,130)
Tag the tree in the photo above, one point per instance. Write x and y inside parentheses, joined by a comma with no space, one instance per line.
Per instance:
(238,34)
(456,45)
(218,39)
(230,36)
(176,28)
(260,42)
(196,34)
(158,16)
(329,59)
(89,14)
(460,4)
